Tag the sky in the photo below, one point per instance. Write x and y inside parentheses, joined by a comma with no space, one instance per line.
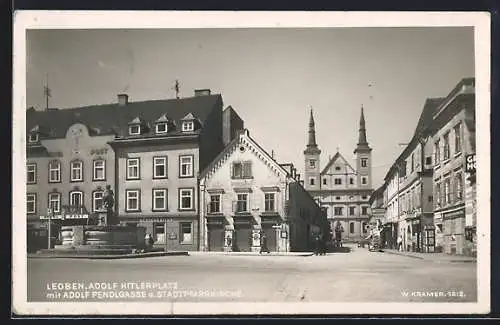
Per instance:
(271,77)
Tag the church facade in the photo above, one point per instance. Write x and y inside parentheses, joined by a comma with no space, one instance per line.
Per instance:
(343,189)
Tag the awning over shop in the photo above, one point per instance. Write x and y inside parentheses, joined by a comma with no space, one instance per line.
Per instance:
(270,218)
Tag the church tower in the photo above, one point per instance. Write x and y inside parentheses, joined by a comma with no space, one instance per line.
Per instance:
(363,157)
(312,156)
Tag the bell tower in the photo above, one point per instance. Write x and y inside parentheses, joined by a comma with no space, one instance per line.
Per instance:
(363,156)
(312,159)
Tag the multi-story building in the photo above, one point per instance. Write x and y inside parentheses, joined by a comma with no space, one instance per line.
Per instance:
(429,205)
(453,138)
(245,193)
(376,219)
(69,163)
(412,193)
(149,153)
(342,189)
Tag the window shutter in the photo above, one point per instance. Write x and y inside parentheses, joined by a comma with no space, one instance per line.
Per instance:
(208,208)
(234,205)
(232,170)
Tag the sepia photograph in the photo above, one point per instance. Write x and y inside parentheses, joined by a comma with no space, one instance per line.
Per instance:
(251,163)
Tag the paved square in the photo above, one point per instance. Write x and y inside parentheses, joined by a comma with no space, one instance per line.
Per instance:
(358,276)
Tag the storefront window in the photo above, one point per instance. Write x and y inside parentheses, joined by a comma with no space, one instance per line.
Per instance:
(186,233)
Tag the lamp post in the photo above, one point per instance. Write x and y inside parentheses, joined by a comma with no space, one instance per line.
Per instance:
(202,213)
(49,216)
(165,245)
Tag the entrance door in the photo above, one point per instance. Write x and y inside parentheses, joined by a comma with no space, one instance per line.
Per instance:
(215,239)
(429,240)
(271,238)
(243,234)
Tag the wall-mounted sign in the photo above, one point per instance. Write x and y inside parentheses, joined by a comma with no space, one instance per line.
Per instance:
(470,163)
(172,236)
(65,216)
(284,234)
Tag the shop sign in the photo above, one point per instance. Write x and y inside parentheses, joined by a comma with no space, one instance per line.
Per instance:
(457,213)
(470,163)
(65,216)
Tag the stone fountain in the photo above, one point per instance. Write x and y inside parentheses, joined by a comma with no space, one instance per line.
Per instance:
(105,238)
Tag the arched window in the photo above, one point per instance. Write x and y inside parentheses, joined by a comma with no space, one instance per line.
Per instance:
(76,198)
(351,228)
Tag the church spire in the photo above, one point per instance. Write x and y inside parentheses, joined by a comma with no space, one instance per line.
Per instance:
(362,143)
(312,132)
(312,146)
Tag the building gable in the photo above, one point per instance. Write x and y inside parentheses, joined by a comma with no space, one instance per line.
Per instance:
(338,165)
(243,148)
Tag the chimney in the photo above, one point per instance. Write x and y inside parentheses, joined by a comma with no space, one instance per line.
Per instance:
(122,99)
(201,92)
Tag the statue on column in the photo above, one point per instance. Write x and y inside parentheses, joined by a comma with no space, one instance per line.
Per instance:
(109,204)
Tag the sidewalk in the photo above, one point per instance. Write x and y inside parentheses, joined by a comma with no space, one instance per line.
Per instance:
(434,257)
(252,253)
(106,257)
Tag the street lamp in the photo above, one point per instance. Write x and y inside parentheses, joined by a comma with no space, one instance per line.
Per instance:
(49,216)
(202,212)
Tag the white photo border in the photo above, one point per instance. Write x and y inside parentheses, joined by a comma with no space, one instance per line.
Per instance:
(24,20)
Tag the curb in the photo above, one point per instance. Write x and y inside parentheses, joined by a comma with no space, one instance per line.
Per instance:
(411,256)
(110,257)
(249,254)
(436,261)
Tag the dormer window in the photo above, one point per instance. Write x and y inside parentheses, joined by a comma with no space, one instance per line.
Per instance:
(33,137)
(161,128)
(187,126)
(134,130)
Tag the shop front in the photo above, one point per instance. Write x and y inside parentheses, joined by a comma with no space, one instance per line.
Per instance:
(173,233)
(454,231)
(52,222)
(216,234)
(271,225)
(246,236)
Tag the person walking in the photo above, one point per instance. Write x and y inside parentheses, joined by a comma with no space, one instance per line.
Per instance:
(317,243)
(263,244)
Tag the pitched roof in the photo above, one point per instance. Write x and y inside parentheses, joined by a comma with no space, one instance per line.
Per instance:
(113,118)
(425,120)
(188,117)
(332,161)
(234,142)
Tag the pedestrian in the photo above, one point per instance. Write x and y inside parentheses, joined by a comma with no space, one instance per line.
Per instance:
(263,244)
(400,243)
(317,245)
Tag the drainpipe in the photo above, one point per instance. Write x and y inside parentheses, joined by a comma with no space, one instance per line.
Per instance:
(422,242)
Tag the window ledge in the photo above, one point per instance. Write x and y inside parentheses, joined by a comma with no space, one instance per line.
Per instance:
(159,210)
(446,161)
(186,176)
(187,210)
(133,211)
(236,178)
(160,177)
(132,179)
